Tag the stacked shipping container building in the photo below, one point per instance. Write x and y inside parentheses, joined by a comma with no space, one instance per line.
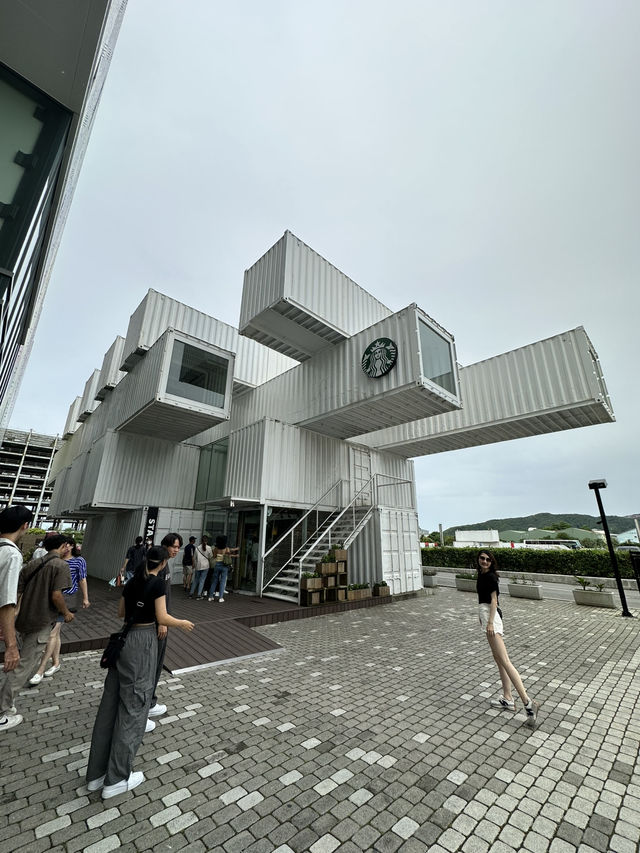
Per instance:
(297,430)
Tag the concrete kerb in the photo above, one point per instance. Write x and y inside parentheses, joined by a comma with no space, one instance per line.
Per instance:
(569,580)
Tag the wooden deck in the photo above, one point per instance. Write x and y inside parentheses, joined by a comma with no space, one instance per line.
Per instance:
(223,631)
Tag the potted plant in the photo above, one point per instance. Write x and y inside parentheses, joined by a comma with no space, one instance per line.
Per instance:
(596,597)
(328,566)
(466,581)
(357,591)
(339,554)
(310,580)
(381,588)
(521,587)
(429,577)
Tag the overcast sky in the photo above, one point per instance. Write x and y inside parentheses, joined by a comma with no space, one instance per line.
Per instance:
(478,159)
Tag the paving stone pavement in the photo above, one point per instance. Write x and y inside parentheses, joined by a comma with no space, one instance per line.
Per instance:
(370,731)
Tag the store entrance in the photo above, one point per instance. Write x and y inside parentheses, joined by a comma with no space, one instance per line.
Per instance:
(244,533)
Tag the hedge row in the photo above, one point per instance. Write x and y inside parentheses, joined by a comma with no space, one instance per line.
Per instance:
(580,562)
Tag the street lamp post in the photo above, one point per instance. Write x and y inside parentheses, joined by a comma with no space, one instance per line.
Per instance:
(596,485)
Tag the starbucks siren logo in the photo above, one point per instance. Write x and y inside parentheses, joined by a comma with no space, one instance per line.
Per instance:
(379,357)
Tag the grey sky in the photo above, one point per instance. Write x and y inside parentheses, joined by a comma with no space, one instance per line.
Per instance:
(478,159)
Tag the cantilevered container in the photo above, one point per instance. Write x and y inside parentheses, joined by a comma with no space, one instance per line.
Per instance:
(296,302)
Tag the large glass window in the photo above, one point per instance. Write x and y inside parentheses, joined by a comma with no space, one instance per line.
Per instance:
(197,375)
(437,364)
(212,471)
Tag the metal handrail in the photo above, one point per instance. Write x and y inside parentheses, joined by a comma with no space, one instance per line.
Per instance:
(351,505)
(290,533)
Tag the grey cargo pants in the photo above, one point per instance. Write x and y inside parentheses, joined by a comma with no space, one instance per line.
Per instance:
(122,715)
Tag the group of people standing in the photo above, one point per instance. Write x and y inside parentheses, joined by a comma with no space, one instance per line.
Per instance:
(205,569)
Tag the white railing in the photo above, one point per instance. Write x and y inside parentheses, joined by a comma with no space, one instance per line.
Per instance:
(356,525)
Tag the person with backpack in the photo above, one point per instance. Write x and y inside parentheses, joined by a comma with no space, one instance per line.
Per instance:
(40,596)
(136,556)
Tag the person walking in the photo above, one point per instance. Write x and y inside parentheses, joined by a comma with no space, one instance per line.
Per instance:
(201,561)
(135,557)
(222,561)
(14,523)
(187,564)
(40,586)
(78,572)
(490,615)
(172,542)
(122,715)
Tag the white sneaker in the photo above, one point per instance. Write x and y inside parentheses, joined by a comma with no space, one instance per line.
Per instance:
(150,726)
(129,784)
(35,679)
(157,710)
(51,671)
(95,784)
(10,721)
(221,600)
(505,704)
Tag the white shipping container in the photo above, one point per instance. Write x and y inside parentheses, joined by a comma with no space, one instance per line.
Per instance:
(89,403)
(298,303)
(401,559)
(143,404)
(110,373)
(156,313)
(106,540)
(550,385)
(71,424)
(333,395)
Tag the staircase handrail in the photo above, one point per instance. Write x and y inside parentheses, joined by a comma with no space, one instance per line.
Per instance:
(351,505)
(289,532)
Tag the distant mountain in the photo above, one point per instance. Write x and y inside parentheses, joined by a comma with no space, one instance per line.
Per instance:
(617,523)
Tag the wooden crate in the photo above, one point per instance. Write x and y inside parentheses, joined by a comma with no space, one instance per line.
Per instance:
(312,597)
(357,594)
(342,578)
(381,591)
(342,566)
(310,583)
(329,581)
(327,568)
(340,555)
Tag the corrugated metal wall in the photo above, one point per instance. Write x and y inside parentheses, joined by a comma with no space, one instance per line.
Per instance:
(245,462)
(549,385)
(106,540)
(71,424)
(318,391)
(137,470)
(291,272)
(299,465)
(89,403)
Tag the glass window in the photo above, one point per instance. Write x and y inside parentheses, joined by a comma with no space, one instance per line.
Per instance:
(437,364)
(212,471)
(197,375)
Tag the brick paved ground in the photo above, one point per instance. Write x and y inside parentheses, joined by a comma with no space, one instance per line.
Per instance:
(370,730)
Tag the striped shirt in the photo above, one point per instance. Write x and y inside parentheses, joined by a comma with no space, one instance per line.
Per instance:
(78,570)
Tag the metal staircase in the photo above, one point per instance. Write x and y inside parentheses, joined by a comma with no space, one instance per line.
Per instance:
(287,562)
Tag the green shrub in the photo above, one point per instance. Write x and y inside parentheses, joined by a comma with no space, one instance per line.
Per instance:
(585,561)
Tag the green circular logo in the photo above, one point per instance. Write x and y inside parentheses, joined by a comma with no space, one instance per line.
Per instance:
(379,357)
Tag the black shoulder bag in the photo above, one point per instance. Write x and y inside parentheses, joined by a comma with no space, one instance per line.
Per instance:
(115,645)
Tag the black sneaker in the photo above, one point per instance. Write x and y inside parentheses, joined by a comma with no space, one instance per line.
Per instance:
(532,713)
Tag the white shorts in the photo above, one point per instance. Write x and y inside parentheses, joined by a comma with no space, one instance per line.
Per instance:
(483,615)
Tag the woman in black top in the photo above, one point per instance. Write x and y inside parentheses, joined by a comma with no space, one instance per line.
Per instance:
(128,688)
(490,616)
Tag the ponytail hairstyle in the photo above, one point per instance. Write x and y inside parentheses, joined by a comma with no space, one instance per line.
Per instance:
(155,556)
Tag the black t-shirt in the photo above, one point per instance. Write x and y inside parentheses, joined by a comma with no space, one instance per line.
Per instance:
(140,599)
(187,557)
(486,583)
